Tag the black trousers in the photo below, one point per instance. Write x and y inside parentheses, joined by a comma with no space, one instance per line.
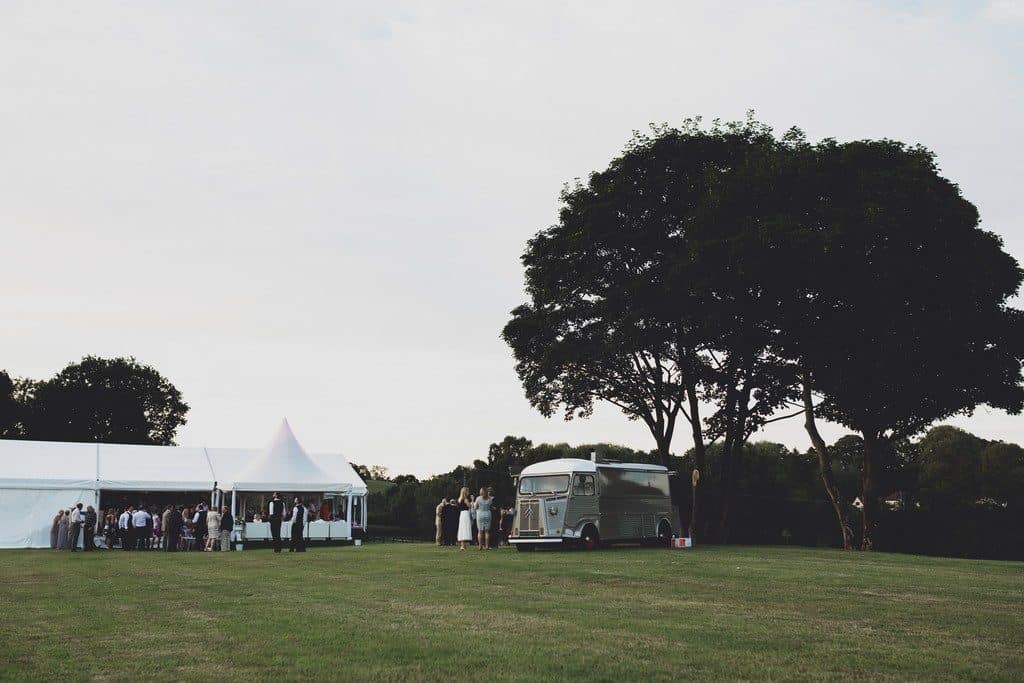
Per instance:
(298,540)
(87,538)
(449,531)
(76,531)
(126,538)
(171,542)
(141,538)
(275,533)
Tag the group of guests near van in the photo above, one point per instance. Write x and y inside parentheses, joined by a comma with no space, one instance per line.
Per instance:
(176,527)
(469,519)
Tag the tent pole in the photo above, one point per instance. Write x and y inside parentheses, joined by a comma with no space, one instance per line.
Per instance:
(362,506)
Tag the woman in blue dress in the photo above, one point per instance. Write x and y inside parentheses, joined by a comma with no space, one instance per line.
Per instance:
(483,519)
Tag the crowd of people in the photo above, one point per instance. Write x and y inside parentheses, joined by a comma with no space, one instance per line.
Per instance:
(468,519)
(140,527)
(461,521)
(202,527)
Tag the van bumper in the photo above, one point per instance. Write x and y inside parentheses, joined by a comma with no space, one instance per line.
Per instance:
(535,540)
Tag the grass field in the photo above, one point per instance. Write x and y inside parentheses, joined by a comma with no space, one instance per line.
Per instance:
(413,611)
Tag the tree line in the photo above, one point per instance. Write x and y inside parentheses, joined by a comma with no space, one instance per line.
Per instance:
(947,493)
(713,279)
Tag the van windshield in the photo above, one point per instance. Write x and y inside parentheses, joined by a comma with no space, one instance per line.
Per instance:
(552,483)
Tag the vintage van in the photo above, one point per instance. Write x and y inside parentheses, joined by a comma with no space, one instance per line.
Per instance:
(587,503)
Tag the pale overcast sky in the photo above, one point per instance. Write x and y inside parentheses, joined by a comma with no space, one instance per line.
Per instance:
(316,210)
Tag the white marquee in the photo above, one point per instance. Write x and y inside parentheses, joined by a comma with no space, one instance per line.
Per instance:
(39,477)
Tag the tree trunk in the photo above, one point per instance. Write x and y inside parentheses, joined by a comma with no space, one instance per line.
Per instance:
(867,495)
(825,467)
(734,455)
(724,474)
(698,480)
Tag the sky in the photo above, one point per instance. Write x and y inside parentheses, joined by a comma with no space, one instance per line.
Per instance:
(315,210)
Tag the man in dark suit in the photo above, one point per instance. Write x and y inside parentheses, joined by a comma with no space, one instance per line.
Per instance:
(89,528)
(450,522)
(227,525)
(299,519)
(276,511)
(201,531)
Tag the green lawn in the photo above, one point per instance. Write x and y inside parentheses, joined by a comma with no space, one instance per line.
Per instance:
(412,611)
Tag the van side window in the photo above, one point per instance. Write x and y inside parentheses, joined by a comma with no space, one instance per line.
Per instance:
(583,485)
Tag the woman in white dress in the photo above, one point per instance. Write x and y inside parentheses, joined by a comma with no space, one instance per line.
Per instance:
(465,521)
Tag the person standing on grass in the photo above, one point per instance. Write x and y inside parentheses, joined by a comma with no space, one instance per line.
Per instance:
(156,528)
(507,520)
(465,520)
(76,526)
(472,518)
(495,518)
(276,515)
(201,527)
(110,529)
(89,527)
(227,525)
(124,526)
(439,521)
(165,524)
(213,524)
(62,529)
(175,522)
(482,505)
(55,530)
(299,518)
(140,528)
(447,537)
(453,520)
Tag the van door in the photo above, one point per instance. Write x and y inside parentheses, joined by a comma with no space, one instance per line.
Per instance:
(582,505)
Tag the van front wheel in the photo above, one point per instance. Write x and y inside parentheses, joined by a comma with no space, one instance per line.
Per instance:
(589,538)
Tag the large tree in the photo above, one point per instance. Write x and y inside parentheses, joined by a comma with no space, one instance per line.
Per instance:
(113,400)
(644,295)
(897,314)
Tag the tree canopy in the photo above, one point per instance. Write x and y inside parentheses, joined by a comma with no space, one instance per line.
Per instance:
(898,312)
(115,400)
(730,266)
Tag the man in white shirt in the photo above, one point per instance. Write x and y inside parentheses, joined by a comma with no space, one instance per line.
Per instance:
(76,526)
(140,522)
(124,528)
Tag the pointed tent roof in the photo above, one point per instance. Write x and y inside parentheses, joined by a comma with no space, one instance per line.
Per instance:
(285,466)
